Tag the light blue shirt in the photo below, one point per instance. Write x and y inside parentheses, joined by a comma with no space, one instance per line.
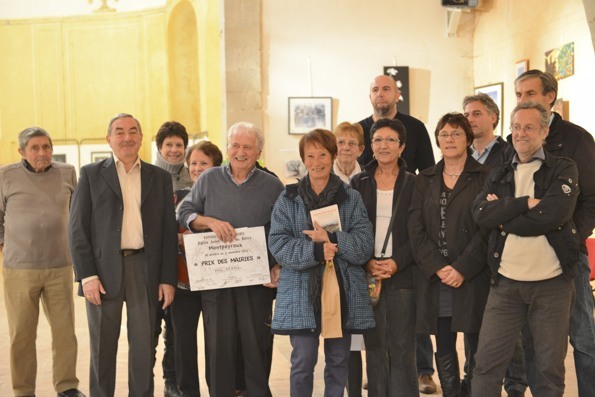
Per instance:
(484,155)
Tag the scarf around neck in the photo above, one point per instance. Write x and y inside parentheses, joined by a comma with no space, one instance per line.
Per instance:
(313,201)
(172,168)
(325,198)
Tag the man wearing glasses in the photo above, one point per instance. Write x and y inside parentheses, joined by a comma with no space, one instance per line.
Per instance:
(533,250)
(566,139)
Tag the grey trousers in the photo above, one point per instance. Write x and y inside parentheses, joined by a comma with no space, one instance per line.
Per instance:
(545,306)
(104,332)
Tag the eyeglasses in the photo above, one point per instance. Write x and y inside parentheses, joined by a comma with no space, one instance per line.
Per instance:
(528,129)
(351,144)
(389,141)
(454,135)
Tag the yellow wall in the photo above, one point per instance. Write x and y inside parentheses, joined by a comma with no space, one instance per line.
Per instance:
(70,75)
(209,69)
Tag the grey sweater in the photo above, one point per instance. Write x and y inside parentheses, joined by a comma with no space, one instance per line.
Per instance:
(34,211)
(216,195)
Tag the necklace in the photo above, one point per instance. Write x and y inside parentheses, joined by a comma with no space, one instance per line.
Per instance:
(452,176)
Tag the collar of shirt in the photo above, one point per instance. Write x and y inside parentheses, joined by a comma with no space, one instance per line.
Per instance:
(227,169)
(538,155)
(486,151)
(30,168)
(118,162)
(344,177)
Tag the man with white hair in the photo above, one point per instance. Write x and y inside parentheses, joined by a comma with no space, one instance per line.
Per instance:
(223,199)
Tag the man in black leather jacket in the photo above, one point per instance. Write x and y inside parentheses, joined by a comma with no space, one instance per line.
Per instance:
(533,251)
(566,139)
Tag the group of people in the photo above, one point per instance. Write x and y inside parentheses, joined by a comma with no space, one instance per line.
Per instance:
(489,242)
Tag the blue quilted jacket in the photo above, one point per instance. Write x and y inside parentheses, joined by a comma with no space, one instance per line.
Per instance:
(294,313)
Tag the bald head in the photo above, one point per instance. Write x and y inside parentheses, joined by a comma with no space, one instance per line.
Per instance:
(384,96)
(383,80)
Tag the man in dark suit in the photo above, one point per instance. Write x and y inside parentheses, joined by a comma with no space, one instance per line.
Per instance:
(123,243)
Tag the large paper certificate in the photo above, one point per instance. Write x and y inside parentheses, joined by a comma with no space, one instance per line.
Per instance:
(213,264)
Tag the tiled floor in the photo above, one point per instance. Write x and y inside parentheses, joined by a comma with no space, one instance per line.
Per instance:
(279,379)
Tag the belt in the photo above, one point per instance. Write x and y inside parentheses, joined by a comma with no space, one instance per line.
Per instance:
(130,252)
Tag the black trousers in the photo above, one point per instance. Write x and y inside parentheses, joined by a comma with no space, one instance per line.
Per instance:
(244,312)
(185,314)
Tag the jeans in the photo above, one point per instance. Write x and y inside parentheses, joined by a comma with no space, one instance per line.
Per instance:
(582,330)
(390,347)
(424,355)
(304,355)
(545,307)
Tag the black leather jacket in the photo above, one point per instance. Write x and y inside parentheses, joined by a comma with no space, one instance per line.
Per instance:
(556,185)
(566,139)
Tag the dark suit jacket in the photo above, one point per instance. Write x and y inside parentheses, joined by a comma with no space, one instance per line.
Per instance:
(96,226)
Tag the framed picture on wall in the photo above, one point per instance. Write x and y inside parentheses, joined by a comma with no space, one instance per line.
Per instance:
(521,67)
(495,91)
(65,152)
(94,150)
(307,113)
(560,61)
(98,156)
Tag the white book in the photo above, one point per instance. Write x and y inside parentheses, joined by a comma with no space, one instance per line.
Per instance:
(327,218)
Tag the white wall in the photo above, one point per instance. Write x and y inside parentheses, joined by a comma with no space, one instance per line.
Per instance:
(348,42)
(510,31)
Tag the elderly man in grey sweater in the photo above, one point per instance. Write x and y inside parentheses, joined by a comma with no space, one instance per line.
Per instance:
(34,204)
(223,199)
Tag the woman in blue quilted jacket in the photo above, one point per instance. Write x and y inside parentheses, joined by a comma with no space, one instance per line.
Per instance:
(304,249)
